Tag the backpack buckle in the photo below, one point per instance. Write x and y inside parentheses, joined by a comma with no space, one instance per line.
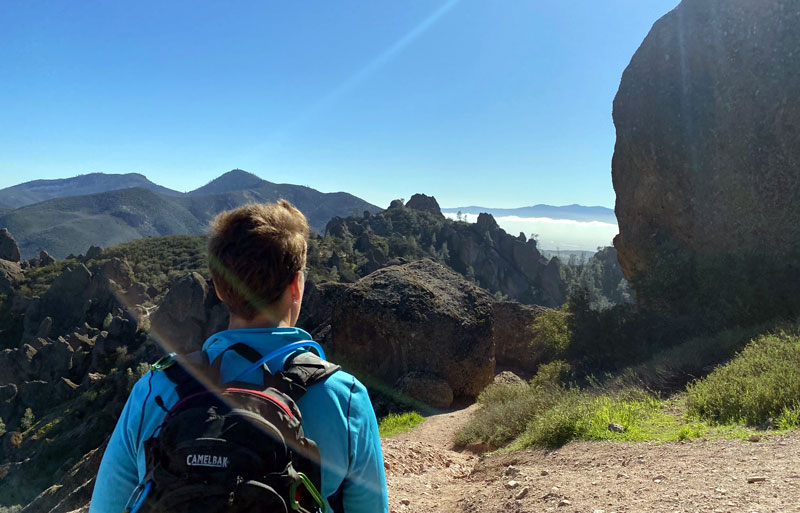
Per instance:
(312,490)
(137,498)
(164,362)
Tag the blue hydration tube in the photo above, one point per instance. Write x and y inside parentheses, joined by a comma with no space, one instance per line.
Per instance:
(281,350)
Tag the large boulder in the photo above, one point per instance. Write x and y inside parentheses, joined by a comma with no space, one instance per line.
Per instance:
(707,162)
(118,270)
(418,317)
(45,259)
(9,250)
(10,275)
(189,313)
(65,302)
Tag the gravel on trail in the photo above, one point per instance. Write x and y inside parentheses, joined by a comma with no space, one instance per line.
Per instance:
(425,475)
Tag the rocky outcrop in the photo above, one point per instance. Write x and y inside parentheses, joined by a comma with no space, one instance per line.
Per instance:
(706,166)
(425,203)
(76,296)
(502,263)
(319,300)
(10,274)
(189,313)
(9,250)
(484,253)
(417,318)
(45,259)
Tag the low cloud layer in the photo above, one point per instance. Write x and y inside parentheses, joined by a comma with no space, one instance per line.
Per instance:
(564,234)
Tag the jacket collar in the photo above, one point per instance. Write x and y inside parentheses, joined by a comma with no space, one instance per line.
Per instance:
(262,340)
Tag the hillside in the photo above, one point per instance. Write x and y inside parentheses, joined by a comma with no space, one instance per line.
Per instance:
(70,224)
(36,191)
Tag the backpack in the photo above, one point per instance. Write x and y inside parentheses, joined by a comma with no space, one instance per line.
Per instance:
(233,447)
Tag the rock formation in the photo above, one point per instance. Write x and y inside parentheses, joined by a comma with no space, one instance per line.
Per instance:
(45,259)
(707,160)
(189,313)
(484,253)
(417,318)
(513,335)
(425,204)
(9,250)
(10,274)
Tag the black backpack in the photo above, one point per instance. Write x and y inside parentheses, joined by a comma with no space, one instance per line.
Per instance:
(236,447)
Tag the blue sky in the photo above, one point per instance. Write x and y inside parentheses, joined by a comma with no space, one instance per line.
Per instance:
(496,103)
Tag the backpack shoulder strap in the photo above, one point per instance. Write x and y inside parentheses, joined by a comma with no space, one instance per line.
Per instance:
(184,368)
(302,370)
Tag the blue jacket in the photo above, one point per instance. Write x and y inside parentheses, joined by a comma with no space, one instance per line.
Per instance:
(337,415)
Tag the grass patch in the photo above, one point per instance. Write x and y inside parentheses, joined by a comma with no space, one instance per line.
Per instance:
(396,423)
(762,382)
(582,415)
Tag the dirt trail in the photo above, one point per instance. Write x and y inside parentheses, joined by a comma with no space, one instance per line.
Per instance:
(424,475)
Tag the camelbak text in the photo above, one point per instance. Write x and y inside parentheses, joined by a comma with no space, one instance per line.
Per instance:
(207,460)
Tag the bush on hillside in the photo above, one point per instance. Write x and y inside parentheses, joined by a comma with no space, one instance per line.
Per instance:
(506,410)
(586,415)
(552,332)
(760,383)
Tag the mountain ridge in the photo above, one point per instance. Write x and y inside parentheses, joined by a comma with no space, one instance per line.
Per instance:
(71,223)
(36,191)
(574,212)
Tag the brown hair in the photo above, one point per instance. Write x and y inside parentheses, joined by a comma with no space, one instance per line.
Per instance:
(254,251)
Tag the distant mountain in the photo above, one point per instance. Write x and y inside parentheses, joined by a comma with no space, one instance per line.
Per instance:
(238,187)
(36,191)
(235,180)
(71,224)
(574,212)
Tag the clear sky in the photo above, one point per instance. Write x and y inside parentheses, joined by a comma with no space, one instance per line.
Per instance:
(499,103)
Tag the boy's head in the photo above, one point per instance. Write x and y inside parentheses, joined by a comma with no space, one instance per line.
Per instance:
(255,252)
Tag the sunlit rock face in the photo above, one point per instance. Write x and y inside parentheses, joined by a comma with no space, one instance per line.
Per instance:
(707,160)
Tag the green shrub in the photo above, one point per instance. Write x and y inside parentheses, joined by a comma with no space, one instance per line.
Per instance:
(396,423)
(762,382)
(789,418)
(2,427)
(692,430)
(27,420)
(552,375)
(552,332)
(505,412)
